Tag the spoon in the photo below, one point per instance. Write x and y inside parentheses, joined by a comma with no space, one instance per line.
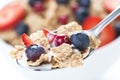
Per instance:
(94,31)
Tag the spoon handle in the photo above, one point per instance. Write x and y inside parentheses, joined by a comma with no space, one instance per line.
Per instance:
(100,26)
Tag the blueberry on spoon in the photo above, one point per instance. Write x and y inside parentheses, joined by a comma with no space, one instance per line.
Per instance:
(34,51)
(80,41)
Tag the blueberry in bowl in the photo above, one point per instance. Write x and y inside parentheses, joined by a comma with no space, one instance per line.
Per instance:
(62,1)
(81,13)
(21,28)
(84,3)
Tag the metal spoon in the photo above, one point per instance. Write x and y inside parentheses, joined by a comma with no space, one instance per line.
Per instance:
(101,25)
(94,31)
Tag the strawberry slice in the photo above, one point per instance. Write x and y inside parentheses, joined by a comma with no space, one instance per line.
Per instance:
(56,39)
(110,5)
(50,35)
(10,15)
(26,40)
(90,22)
(107,35)
(60,39)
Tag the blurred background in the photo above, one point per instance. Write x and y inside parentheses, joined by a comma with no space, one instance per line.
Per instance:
(27,16)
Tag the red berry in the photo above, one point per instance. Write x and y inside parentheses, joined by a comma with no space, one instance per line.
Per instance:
(55,39)
(38,6)
(74,7)
(60,39)
(50,35)
(90,22)
(26,40)
(63,19)
(10,15)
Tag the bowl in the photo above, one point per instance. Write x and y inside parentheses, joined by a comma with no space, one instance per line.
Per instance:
(102,65)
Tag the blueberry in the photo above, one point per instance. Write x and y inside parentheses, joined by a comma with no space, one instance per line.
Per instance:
(34,51)
(80,14)
(21,28)
(32,2)
(80,41)
(62,1)
(117,28)
(84,3)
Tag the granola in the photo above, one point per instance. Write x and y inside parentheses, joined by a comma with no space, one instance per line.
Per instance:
(59,56)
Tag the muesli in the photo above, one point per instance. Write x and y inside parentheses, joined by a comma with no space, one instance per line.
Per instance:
(67,46)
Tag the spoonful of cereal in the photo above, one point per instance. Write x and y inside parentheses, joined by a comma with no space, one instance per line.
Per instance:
(65,47)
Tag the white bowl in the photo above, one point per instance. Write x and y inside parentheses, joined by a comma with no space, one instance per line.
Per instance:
(102,65)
